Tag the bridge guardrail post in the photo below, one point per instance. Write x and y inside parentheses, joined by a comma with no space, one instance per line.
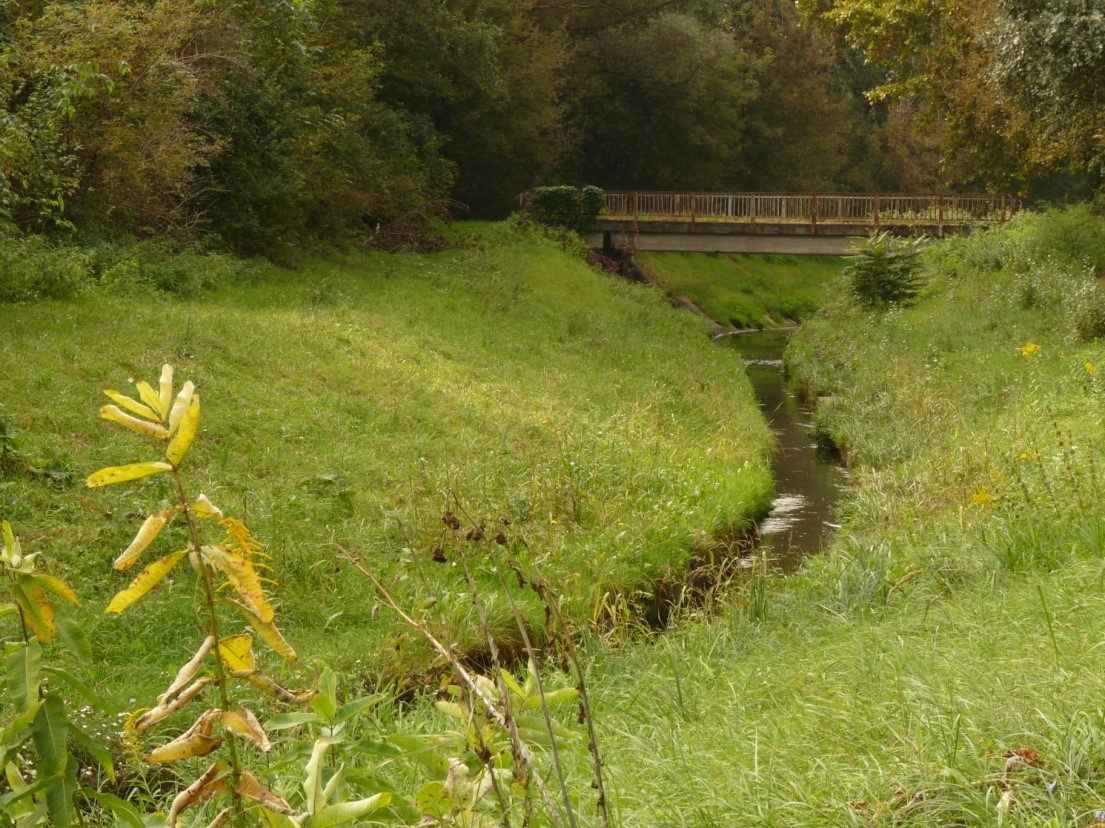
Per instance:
(813,215)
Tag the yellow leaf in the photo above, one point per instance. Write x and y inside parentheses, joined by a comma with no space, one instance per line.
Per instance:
(204,508)
(165,397)
(58,587)
(250,787)
(147,579)
(272,688)
(122,474)
(196,741)
(237,652)
(267,630)
(187,672)
(203,788)
(149,531)
(180,405)
(134,407)
(38,613)
(243,724)
(148,395)
(114,414)
(185,433)
(243,577)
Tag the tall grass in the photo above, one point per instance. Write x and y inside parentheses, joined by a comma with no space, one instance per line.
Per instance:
(360,398)
(942,664)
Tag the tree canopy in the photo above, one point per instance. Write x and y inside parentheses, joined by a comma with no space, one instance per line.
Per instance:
(269,124)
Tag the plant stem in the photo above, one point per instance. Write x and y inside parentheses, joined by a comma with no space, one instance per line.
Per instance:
(220,668)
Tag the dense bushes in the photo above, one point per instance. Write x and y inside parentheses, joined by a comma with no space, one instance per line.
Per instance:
(33,267)
(572,207)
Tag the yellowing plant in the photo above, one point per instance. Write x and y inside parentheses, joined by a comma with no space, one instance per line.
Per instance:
(227,567)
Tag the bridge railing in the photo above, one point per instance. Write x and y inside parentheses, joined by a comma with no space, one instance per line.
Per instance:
(814,209)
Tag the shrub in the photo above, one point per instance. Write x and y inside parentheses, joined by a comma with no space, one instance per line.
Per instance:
(31,267)
(1086,311)
(883,271)
(574,208)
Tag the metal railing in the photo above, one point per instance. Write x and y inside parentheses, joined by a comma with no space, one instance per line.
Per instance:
(813,209)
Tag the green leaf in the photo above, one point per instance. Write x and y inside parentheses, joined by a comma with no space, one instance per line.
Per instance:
(22,671)
(285,721)
(119,808)
(348,811)
(357,706)
(17,794)
(98,752)
(49,731)
(8,609)
(80,687)
(312,784)
(73,636)
(551,698)
(59,797)
(326,702)
(13,733)
(433,800)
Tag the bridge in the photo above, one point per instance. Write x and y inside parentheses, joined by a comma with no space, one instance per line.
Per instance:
(807,224)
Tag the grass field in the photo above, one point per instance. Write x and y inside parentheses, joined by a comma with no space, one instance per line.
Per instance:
(350,404)
(959,617)
(747,291)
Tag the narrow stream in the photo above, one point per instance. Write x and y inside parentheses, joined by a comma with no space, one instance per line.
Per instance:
(809,479)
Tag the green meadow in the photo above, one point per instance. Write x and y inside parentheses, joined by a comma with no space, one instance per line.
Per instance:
(746,291)
(350,405)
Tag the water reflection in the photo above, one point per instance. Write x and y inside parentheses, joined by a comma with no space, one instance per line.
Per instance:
(808,478)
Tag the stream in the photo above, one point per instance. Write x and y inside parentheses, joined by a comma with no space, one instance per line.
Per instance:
(809,479)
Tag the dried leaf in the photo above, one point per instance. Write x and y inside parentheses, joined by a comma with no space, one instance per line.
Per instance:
(187,672)
(221,819)
(243,724)
(204,508)
(203,788)
(122,474)
(147,534)
(147,579)
(198,740)
(114,414)
(270,686)
(162,712)
(250,787)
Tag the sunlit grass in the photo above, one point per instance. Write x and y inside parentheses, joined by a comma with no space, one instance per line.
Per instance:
(350,404)
(747,291)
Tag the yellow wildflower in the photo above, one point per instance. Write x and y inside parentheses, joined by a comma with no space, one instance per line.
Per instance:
(1091,369)
(982,497)
(1028,456)
(1030,348)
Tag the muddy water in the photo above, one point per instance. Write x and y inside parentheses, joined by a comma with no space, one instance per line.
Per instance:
(809,480)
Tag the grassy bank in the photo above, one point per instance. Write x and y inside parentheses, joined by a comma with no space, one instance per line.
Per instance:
(958,618)
(746,291)
(349,405)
